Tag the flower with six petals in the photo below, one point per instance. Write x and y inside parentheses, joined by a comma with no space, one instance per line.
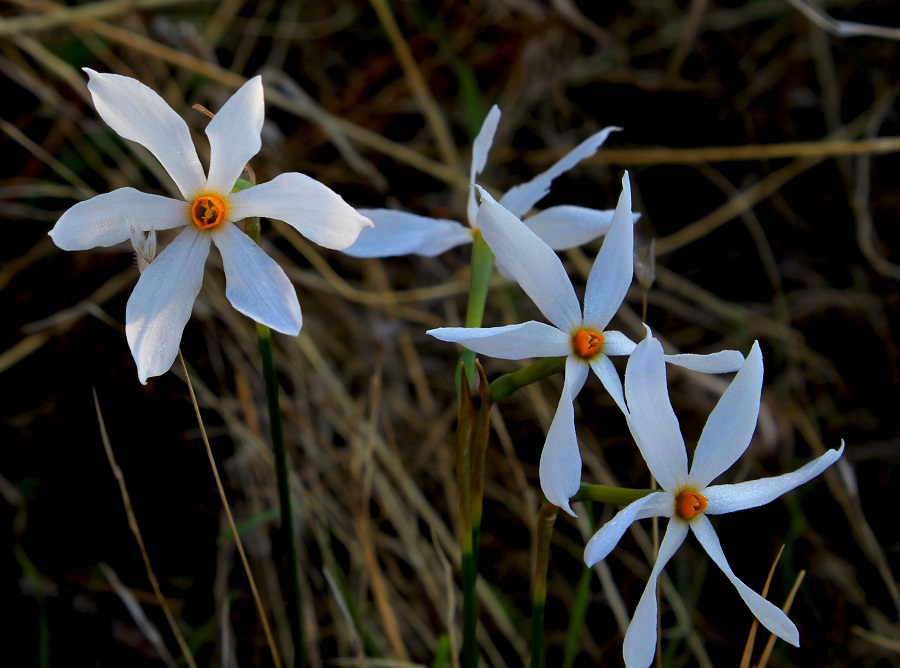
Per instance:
(561,227)
(687,496)
(161,303)
(579,335)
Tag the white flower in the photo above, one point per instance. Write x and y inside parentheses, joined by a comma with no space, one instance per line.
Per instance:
(161,303)
(561,227)
(687,498)
(581,337)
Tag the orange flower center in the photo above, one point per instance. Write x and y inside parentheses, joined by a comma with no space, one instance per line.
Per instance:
(689,503)
(587,343)
(208,211)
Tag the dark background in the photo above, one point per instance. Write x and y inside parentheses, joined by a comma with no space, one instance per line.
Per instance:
(792,245)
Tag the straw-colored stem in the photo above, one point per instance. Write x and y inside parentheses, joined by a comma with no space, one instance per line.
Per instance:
(276,659)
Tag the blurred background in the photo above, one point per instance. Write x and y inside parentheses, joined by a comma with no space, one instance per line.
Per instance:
(763,155)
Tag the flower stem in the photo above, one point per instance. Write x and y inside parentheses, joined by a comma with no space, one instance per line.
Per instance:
(294,610)
(479,283)
(546,519)
(284,493)
(467,554)
(617,496)
(506,385)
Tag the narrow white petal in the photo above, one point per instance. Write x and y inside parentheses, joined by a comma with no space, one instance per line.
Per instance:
(162,300)
(480,148)
(640,638)
(752,493)
(400,233)
(107,219)
(512,342)
(652,420)
(137,113)
(531,262)
(724,361)
(769,615)
(560,468)
(658,504)
(234,136)
(314,210)
(731,424)
(613,268)
(617,344)
(521,199)
(567,226)
(255,284)
(606,372)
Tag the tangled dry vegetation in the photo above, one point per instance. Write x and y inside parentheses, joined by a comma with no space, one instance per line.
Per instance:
(763,155)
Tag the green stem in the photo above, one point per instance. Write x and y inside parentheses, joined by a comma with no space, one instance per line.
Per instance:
(284,493)
(617,496)
(294,610)
(479,283)
(464,430)
(504,386)
(546,519)
(579,607)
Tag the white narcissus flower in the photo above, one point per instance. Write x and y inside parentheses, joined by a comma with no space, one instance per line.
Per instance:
(580,336)
(561,227)
(687,497)
(161,303)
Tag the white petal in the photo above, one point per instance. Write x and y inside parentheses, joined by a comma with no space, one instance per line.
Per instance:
(724,361)
(255,284)
(162,300)
(652,420)
(614,266)
(480,148)
(107,219)
(752,493)
(234,136)
(566,226)
(533,264)
(617,344)
(401,233)
(640,638)
(731,424)
(137,113)
(521,199)
(314,210)
(512,342)
(657,504)
(560,468)
(769,615)
(608,375)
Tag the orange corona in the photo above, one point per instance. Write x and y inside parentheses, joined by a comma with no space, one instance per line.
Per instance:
(208,211)
(689,503)
(587,343)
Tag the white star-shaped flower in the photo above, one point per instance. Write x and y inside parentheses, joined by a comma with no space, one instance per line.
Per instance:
(161,303)
(687,497)
(580,336)
(561,227)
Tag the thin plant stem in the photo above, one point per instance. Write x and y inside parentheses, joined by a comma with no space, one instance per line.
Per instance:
(579,608)
(234,532)
(507,384)
(467,555)
(282,475)
(136,530)
(284,492)
(546,519)
(479,284)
